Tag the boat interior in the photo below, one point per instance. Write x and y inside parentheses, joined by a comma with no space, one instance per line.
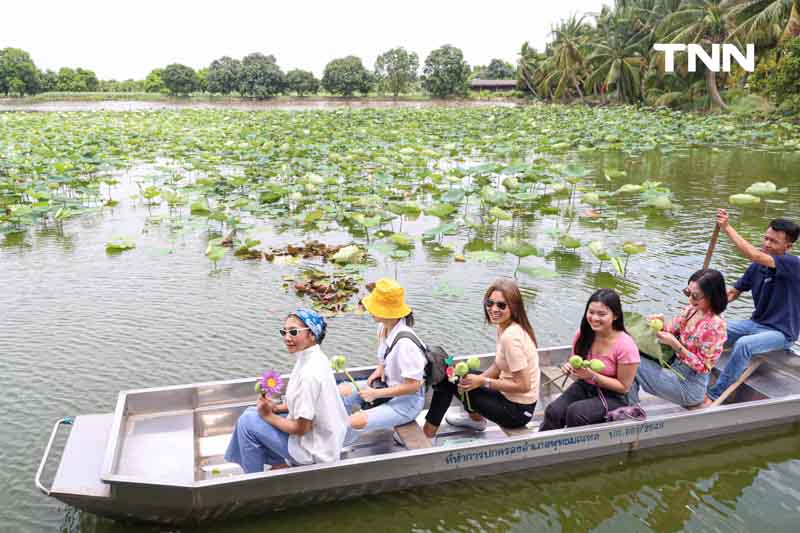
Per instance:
(178,435)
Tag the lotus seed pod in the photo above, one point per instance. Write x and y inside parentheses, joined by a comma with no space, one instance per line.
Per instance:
(258,387)
(597,365)
(586,363)
(473,363)
(462,368)
(656,324)
(576,361)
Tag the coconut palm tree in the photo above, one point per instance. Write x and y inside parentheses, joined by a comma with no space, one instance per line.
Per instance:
(618,54)
(568,56)
(528,67)
(764,21)
(702,22)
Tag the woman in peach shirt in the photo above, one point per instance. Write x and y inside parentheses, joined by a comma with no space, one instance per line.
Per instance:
(506,392)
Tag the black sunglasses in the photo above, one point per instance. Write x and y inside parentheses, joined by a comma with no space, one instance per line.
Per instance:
(490,303)
(294,332)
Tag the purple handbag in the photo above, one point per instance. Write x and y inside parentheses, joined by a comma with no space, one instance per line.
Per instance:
(632,412)
(626,412)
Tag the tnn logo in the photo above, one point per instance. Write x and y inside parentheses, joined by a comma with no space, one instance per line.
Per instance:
(747,62)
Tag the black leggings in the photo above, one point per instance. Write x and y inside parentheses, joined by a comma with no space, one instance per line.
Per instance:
(489,403)
(580,405)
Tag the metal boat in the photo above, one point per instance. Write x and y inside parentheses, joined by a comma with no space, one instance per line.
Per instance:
(158,457)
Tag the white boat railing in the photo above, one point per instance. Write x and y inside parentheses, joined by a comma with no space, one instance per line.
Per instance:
(67,421)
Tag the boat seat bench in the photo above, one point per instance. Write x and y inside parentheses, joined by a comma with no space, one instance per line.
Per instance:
(412,436)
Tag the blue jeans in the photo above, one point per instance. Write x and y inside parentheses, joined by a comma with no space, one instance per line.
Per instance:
(665,383)
(748,338)
(255,443)
(396,412)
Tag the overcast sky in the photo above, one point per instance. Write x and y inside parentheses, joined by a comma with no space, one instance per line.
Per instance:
(120,40)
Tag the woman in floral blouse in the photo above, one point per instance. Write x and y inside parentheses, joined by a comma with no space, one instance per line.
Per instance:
(697,336)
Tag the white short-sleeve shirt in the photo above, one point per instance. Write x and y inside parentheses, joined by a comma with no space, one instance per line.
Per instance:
(312,394)
(406,360)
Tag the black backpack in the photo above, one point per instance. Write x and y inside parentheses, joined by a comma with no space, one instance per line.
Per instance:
(435,356)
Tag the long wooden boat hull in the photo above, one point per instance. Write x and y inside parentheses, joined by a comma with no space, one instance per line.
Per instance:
(158,457)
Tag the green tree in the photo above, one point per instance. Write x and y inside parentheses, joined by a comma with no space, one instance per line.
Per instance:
(529,72)
(702,22)
(179,79)
(223,75)
(445,72)
(87,79)
(396,70)
(154,83)
(48,81)
(68,81)
(345,76)
(261,77)
(302,82)
(478,72)
(500,70)
(565,67)
(202,79)
(764,21)
(617,61)
(18,74)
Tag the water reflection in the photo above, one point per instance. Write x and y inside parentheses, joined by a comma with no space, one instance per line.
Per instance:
(697,488)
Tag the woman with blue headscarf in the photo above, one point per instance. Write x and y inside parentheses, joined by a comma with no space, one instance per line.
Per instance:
(310,426)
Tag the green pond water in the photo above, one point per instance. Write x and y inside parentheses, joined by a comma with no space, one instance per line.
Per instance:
(77,325)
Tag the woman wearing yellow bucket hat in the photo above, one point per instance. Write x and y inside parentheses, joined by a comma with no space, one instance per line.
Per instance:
(400,370)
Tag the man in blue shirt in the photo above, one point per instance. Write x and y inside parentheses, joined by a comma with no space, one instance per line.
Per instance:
(774,279)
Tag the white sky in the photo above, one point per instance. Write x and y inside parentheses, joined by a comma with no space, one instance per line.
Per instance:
(120,40)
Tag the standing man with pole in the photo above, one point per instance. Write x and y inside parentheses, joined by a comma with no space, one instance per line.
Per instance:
(774,279)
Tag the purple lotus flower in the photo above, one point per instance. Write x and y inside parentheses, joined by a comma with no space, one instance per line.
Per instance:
(270,383)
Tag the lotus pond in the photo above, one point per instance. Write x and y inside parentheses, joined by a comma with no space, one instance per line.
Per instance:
(162,247)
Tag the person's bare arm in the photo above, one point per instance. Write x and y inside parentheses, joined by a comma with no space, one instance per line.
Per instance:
(266,408)
(747,249)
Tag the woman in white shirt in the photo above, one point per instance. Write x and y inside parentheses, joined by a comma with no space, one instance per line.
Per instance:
(310,426)
(401,369)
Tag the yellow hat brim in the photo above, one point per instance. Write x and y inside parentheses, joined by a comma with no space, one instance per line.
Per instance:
(381,310)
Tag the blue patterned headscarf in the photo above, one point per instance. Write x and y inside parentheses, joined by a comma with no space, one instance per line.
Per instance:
(315,322)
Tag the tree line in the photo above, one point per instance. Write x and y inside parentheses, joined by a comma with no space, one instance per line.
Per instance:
(609,56)
(396,71)
(603,57)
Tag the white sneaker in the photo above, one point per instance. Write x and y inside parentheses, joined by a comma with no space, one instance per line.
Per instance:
(464,420)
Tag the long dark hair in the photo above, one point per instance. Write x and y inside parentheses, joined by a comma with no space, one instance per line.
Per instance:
(586,336)
(712,284)
(513,298)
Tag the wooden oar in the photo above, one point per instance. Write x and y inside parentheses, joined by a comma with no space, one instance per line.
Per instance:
(711,246)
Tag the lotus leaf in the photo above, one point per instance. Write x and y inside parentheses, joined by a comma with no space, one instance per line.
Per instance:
(518,247)
(538,272)
(744,199)
(762,188)
(348,255)
(120,244)
(500,214)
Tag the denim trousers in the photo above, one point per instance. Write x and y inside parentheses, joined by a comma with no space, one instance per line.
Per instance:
(255,443)
(687,390)
(396,412)
(748,338)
